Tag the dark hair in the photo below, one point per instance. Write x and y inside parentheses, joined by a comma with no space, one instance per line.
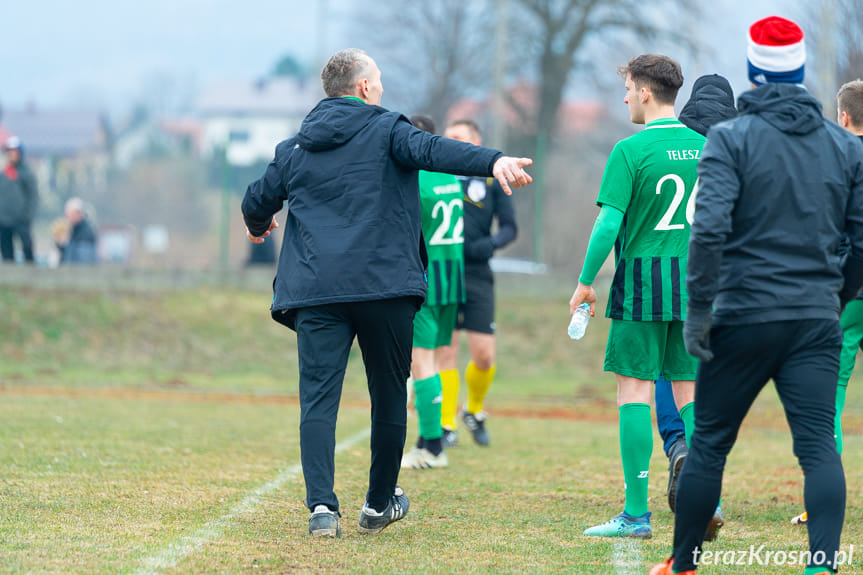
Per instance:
(424,123)
(469,123)
(659,73)
(342,70)
(850,100)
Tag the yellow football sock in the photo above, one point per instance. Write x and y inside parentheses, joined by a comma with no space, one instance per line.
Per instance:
(478,381)
(449,384)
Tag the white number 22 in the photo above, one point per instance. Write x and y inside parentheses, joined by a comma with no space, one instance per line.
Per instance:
(665,224)
(448,209)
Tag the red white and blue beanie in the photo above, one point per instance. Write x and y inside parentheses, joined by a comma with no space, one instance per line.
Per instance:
(776,51)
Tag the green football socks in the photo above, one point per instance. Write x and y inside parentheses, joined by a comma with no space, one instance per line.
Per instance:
(687,414)
(428,404)
(636,447)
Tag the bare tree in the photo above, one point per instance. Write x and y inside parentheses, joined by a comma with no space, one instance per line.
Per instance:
(438,52)
(834,36)
(565,39)
(850,31)
(562,32)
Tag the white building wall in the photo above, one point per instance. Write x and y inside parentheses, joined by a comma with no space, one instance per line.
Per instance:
(248,139)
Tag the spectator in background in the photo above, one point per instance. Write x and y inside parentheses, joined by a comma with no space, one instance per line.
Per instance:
(19,200)
(74,236)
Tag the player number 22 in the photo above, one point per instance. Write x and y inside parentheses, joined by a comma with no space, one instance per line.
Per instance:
(447,209)
(665,224)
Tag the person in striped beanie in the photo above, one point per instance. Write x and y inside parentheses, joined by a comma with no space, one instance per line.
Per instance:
(779,187)
(776,52)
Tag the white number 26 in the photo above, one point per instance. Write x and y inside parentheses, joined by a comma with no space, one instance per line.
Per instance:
(665,224)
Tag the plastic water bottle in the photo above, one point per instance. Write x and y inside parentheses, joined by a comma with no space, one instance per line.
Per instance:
(578,323)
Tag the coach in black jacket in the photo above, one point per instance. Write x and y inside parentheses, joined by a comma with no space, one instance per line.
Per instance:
(779,186)
(353,264)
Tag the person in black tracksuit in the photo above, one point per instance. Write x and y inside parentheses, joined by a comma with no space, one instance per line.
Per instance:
(779,186)
(711,102)
(352,264)
(484,202)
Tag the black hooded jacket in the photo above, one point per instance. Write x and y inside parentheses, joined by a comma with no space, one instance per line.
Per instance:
(353,231)
(779,186)
(711,102)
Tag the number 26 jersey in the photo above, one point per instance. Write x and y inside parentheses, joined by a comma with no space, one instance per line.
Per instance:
(651,178)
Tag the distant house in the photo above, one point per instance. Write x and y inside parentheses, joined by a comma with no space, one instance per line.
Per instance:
(58,132)
(69,149)
(247,120)
(573,116)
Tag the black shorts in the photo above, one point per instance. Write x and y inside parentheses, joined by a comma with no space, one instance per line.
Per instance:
(477,313)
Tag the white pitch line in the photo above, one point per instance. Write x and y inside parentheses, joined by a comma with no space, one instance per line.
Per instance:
(187,545)
(626,556)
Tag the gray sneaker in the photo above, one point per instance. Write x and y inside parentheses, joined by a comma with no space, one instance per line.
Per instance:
(676,456)
(372,521)
(449,438)
(324,523)
(475,422)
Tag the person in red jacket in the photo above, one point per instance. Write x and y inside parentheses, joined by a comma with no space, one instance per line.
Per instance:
(19,201)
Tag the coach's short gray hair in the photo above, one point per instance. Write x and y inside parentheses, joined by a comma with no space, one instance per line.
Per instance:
(342,71)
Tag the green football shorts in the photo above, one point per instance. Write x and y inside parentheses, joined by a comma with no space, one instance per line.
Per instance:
(433,325)
(644,349)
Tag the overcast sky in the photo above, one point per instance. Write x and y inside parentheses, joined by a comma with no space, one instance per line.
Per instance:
(56,51)
(112,52)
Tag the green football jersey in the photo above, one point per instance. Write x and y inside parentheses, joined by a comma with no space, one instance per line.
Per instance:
(443,228)
(651,177)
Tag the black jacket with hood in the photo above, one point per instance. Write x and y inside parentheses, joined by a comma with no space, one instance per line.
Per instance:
(711,102)
(353,231)
(779,186)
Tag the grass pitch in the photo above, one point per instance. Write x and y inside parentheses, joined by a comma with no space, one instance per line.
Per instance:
(157,433)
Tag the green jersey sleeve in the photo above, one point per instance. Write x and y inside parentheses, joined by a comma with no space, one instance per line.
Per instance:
(617,181)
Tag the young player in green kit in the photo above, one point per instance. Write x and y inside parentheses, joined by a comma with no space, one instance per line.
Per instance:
(849,106)
(443,228)
(645,206)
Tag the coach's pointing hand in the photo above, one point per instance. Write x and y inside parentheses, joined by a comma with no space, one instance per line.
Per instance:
(508,169)
(696,333)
